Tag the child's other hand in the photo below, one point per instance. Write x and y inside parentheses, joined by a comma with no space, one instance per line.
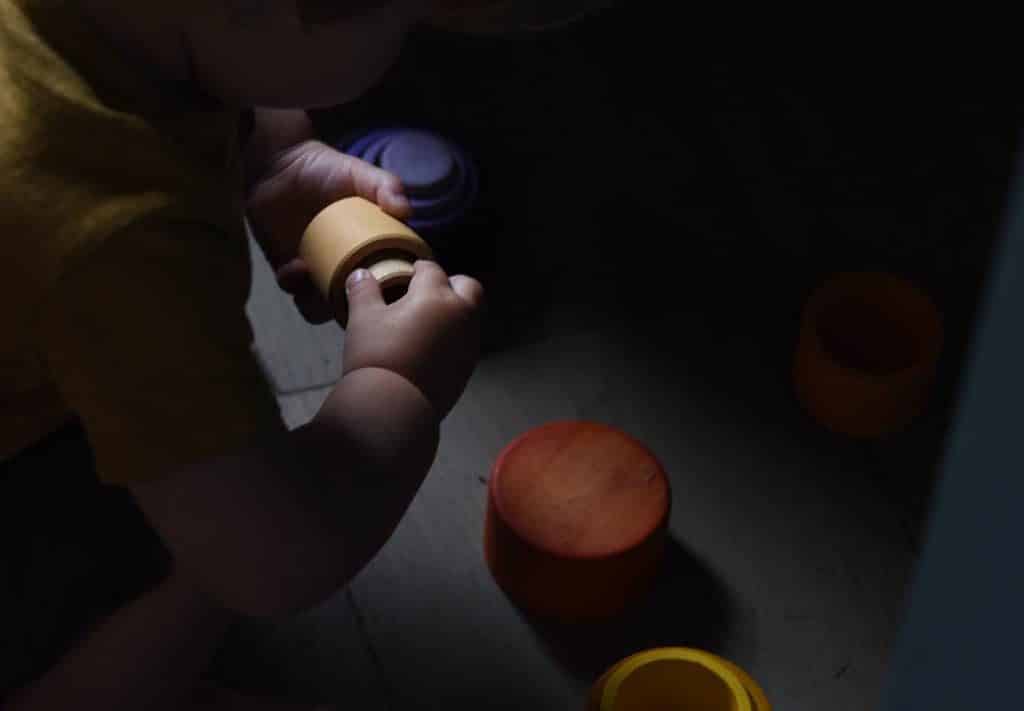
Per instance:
(430,336)
(290,187)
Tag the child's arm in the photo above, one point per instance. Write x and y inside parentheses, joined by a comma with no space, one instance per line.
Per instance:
(281,526)
(285,523)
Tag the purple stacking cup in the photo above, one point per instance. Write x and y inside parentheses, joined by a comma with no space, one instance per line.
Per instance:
(440,179)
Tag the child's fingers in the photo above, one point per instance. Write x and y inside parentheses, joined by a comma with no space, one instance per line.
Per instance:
(471,291)
(428,275)
(339,175)
(362,291)
(302,181)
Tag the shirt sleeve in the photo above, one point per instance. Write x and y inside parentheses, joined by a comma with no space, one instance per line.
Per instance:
(147,340)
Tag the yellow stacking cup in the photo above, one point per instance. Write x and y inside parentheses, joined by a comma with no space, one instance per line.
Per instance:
(676,679)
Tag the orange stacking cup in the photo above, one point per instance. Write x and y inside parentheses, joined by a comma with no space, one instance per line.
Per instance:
(576,522)
(867,354)
(355,233)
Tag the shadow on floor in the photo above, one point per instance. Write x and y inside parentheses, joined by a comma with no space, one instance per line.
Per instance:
(315,656)
(688,606)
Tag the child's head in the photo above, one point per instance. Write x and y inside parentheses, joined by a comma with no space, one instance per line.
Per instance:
(296,53)
(500,16)
(312,53)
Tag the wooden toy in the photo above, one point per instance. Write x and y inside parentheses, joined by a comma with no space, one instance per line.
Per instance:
(440,178)
(676,678)
(576,521)
(355,233)
(867,353)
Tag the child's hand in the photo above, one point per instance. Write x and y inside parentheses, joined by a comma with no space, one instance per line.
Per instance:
(291,179)
(430,336)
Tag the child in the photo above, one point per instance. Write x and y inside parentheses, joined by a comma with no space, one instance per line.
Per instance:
(149,492)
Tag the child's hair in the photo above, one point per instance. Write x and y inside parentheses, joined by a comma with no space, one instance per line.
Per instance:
(324,12)
(311,12)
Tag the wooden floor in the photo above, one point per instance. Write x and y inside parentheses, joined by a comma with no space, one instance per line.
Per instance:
(793,548)
(791,555)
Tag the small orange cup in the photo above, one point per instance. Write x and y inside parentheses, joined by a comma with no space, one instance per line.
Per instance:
(867,353)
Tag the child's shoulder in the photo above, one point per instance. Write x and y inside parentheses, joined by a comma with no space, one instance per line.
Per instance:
(83,125)
(51,77)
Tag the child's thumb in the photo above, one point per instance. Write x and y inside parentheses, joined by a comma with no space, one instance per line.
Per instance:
(362,290)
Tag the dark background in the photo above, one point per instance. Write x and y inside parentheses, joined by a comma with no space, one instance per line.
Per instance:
(630,165)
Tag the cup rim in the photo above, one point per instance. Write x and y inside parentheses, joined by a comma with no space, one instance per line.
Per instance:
(927,334)
(747,694)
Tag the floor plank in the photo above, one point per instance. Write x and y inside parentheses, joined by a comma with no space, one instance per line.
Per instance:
(298,408)
(445,633)
(322,655)
(789,559)
(792,552)
(295,355)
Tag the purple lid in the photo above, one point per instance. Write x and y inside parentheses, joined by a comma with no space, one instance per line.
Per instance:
(439,177)
(423,161)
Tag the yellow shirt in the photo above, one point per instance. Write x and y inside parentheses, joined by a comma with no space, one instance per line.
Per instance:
(125,267)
